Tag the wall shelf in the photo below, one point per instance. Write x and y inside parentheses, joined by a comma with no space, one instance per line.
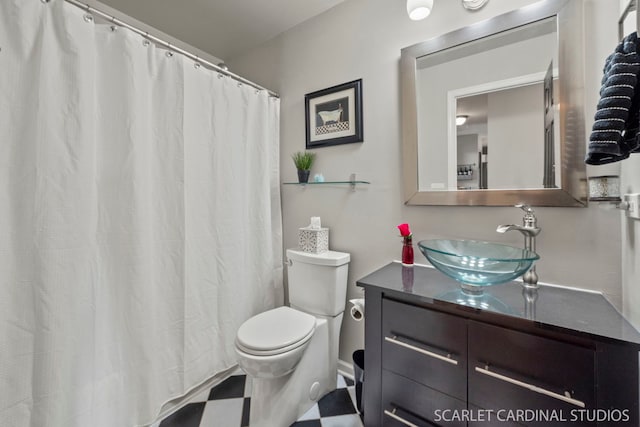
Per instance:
(464,169)
(352,182)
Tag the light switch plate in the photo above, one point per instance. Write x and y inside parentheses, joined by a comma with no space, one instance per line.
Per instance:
(633,201)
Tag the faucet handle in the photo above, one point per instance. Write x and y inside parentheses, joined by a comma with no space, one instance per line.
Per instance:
(529,219)
(528,209)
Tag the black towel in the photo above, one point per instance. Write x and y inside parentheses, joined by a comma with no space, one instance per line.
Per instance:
(616,128)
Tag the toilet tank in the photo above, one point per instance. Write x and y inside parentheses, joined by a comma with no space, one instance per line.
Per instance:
(318,282)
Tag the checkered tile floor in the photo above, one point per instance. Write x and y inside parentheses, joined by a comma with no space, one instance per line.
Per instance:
(227,405)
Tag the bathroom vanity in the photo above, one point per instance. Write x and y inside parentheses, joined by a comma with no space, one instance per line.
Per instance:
(437,356)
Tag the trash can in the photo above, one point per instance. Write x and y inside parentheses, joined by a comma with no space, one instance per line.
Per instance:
(358,376)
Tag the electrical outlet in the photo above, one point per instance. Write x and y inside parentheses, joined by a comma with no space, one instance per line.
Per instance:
(633,201)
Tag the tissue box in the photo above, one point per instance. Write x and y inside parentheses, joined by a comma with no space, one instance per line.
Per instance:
(313,240)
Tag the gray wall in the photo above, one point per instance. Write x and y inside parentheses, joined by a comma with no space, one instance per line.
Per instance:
(362,39)
(159,10)
(631,244)
(630,176)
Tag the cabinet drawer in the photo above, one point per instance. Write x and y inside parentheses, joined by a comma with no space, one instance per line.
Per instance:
(426,346)
(511,370)
(404,401)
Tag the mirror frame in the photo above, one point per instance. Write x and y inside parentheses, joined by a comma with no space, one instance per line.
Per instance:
(573,191)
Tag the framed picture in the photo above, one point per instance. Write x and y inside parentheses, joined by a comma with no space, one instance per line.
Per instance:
(334,115)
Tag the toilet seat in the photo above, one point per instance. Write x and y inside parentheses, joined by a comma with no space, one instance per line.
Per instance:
(275,331)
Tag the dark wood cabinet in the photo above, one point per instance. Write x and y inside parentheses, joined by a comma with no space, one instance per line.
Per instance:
(431,362)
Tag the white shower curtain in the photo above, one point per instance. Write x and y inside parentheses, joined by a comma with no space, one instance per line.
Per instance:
(140,219)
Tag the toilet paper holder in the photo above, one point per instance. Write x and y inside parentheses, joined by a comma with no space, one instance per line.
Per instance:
(357,309)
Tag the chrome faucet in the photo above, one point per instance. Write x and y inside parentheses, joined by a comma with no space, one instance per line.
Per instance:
(530,230)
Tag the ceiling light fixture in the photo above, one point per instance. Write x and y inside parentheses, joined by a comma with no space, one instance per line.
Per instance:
(460,120)
(419,9)
(473,4)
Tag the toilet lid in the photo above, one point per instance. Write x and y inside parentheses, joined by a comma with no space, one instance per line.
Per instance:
(275,329)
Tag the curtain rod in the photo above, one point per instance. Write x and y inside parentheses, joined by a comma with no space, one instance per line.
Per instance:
(168,45)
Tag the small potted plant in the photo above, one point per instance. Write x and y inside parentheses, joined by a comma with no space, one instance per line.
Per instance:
(303,161)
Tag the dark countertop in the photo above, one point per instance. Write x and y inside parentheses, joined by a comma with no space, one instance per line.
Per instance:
(556,308)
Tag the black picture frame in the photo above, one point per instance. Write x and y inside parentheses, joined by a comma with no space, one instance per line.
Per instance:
(342,121)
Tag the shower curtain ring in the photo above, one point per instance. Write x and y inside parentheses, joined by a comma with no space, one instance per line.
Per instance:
(88,18)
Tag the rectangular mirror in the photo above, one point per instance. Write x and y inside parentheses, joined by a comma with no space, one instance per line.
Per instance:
(493,113)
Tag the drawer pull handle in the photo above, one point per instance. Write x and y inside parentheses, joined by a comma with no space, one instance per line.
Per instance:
(393,415)
(447,359)
(565,398)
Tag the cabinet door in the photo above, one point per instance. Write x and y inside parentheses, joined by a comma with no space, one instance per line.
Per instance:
(427,346)
(529,379)
(406,403)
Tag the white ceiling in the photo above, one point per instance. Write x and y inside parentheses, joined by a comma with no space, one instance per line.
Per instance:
(223,28)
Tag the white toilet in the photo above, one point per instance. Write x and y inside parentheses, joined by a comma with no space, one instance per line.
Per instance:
(291,353)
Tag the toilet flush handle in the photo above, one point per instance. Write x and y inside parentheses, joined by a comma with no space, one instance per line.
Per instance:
(288,262)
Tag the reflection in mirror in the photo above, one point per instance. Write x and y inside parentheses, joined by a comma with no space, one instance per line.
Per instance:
(505,76)
(504,133)
(505,111)
(504,130)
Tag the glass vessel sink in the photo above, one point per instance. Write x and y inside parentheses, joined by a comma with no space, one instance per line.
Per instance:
(477,264)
